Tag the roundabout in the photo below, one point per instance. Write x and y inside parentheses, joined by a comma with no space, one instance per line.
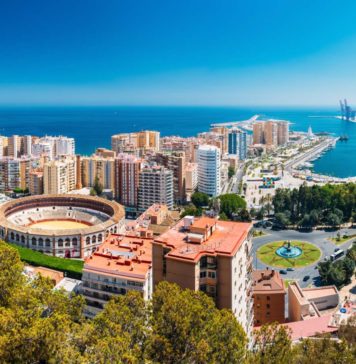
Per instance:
(288,254)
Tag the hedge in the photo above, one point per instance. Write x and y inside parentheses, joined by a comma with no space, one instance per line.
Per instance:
(72,268)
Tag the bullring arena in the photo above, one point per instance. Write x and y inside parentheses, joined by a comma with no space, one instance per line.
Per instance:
(70,226)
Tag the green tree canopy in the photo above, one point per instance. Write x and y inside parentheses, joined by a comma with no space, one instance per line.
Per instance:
(200,199)
(231,203)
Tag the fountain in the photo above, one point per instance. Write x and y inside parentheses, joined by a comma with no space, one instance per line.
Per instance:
(289,251)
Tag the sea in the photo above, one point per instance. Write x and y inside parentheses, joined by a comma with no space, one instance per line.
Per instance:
(92,127)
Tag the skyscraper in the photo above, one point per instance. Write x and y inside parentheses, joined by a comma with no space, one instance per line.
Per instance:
(237,143)
(155,186)
(127,173)
(208,158)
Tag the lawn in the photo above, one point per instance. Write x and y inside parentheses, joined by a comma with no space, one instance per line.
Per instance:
(343,239)
(287,282)
(73,268)
(267,255)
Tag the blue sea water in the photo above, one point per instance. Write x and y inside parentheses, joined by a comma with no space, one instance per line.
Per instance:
(92,127)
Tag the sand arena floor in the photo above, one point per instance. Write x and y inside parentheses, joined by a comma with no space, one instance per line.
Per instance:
(59,224)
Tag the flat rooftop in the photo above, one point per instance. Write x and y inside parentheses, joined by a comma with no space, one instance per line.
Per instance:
(124,256)
(225,239)
(314,293)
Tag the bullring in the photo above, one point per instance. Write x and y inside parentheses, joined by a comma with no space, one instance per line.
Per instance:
(70,226)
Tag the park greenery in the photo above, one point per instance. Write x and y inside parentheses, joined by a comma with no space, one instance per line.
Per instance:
(338,272)
(231,172)
(229,206)
(42,325)
(71,267)
(267,254)
(307,207)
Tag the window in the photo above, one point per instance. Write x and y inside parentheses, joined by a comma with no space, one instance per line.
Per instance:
(212,275)
(202,274)
(268,305)
(60,242)
(48,242)
(268,298)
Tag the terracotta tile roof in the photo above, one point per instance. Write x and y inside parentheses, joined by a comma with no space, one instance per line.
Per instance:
(125,256)
(225,239)
(267,281)
(310,327)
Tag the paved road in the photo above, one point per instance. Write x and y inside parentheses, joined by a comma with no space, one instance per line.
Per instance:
(319,238)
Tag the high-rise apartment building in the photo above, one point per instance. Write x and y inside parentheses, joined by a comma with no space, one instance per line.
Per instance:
(174,161)
(208,158)
(54,146)
(127,174)
(59,176)
(155,186)
(271,132)
(36,182)
(191,178)
(283,132)
(15,173)
(98,167)
(237,143)
(14,146)
(133,142)
(212,256)
(258,131)
(269,297)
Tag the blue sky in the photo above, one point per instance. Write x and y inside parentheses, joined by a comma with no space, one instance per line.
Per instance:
(165,52)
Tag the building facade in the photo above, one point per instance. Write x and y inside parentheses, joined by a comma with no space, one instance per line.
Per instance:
(155,186)
(238,143)
(127,175)
(268,296)
(208,158)
(211,256)
(122,263)
(59,176)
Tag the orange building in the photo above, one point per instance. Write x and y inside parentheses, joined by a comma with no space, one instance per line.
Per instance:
(211,256)
(268,296)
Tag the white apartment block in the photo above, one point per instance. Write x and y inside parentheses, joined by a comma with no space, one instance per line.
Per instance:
(209,164)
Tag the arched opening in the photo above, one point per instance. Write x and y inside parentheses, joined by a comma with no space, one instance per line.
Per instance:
(93,239)
(48,242)
(40,242)
(87,240)
(67,242)
(34,241)
(23,239)
(74,241)
(17,237)
(60,242)
(12,236)
(100,237)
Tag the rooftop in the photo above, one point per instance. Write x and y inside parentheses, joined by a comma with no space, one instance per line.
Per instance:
(215,238)
(267,281)
(311,327)
(124,256)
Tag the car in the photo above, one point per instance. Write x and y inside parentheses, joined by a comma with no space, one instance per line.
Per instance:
(336,250)
(306,278)
(290,269)
(282,271)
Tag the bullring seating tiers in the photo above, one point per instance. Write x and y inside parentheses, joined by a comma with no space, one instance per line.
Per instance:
(31,216)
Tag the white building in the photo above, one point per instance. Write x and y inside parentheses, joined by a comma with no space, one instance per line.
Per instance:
(57,146)
(208,158)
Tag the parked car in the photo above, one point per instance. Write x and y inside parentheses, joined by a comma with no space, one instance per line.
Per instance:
(290,269)
(306,278)
(282,271)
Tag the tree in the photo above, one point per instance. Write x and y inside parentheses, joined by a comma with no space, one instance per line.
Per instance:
(273,345)
(98,187)
(231,203)
(200,199)
(231,171)
(191,210)
(282,219)
(188,328)
(333,219)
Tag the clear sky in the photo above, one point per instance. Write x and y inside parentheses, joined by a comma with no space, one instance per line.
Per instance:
(177,52)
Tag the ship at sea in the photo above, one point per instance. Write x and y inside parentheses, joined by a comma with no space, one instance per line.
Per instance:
(346,112)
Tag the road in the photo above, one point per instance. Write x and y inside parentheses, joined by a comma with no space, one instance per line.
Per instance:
(233,184)
(319,238)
